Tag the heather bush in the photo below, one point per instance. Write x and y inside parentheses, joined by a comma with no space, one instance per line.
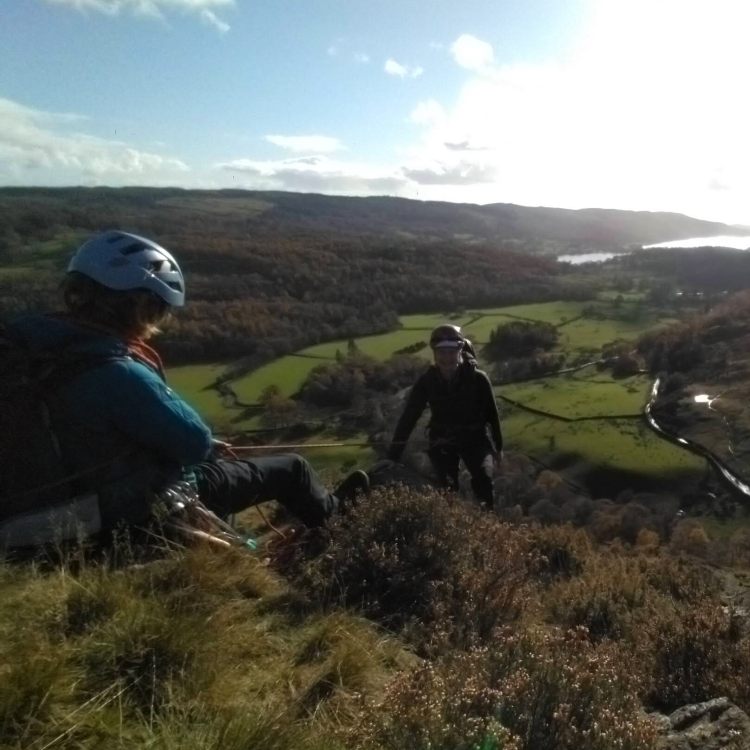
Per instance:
(690,537)
(525,691)
(432,565)
(738,552)
(694,654)
(561,552)
(618,590)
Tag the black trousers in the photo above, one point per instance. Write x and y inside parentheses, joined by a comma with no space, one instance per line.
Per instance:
(229,486)
(479,459)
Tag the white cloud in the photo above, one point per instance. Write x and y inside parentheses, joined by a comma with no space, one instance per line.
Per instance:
(301,143)
(634,118)
(35,148)
(314,175)
(463,172)
(332,51)
(205,9)
(394,68)
(472,53)
(210,18)
(361,57)
(428,112)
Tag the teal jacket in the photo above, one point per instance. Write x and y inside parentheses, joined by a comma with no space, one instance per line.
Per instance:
(121,429)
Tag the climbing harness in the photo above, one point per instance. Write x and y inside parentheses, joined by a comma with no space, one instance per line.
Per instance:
(179,511)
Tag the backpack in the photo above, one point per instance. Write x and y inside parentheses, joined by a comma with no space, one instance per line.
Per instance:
(32,471)
(468,352)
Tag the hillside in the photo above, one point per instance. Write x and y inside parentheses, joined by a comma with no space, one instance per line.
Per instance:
(705,369)
(279,211)
(415,621)
(498,221)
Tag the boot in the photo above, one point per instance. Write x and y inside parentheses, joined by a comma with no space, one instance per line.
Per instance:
(356,483)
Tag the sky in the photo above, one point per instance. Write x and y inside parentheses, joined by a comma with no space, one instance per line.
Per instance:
(628,104)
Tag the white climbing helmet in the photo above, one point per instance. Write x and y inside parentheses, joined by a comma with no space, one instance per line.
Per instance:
(119,260)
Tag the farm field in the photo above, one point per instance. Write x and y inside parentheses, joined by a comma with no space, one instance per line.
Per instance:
(625,446)
(586,334)
(621,446)
(193,383)
(574,396)
(428,322)
(289,372)
(582,450)
(381,346)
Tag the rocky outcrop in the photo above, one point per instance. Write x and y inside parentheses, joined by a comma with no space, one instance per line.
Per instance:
(713,725)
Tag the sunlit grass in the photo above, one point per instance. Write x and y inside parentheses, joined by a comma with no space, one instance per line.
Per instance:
(591,334)
(622,445)
(380,347)
(193,383)
(287,374)
(201,649)
(573,397)
(428,322)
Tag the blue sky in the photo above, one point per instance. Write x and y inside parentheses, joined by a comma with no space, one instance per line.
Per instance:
(634,104)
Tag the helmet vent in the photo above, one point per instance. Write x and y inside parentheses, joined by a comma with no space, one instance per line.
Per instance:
(136,247)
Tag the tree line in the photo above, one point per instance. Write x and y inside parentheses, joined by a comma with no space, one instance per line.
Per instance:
(258,287)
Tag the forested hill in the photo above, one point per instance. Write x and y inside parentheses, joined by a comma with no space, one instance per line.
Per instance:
(504,221)
(269,273)
(259,285)
(20,208)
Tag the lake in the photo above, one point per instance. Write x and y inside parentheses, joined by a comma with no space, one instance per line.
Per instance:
(587,258)
(738,242)
(722,240)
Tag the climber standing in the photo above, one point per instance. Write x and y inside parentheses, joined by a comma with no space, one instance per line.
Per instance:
(464,421)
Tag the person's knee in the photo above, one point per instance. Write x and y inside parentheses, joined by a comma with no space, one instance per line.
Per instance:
(300,466)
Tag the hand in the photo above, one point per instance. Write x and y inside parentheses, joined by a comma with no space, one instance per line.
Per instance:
(220,447)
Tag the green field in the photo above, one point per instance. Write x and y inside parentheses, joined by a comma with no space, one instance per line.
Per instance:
(428,322)
(194,384)
(626,446)
(588,334)
(287,373)
(621,445)
(381,346)
(574,396)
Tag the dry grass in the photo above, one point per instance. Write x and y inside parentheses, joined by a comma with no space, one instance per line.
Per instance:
(486,637)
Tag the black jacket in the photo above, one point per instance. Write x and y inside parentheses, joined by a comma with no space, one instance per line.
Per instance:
(462,410)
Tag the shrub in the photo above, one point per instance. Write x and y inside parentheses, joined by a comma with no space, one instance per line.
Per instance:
(520,338)
(560,552)
(647,540)
(616,593)
(695,654)
(739,548)
(523,691)
(431,564)
(604,599)
(690,537)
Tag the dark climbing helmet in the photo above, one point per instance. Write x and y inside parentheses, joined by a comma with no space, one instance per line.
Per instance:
(123,261)
(447,336)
